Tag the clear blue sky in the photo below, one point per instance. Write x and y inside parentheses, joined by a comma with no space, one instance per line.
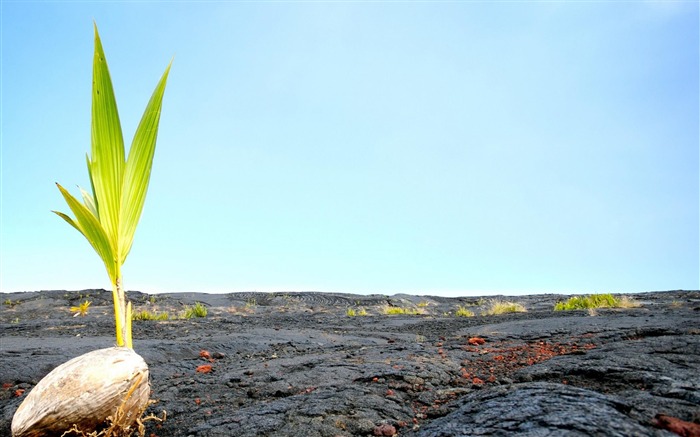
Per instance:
(454,148)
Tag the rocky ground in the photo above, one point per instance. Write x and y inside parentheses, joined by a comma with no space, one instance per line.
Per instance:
(296,364)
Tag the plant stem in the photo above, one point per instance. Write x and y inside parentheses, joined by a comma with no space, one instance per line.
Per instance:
(122,314)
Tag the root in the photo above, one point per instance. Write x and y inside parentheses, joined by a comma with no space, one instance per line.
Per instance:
(119,424)
(114,431)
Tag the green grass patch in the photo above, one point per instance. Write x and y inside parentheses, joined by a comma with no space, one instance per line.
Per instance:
(352,312)
(395,311)
(150,315)
(593,301)
(198,310)
(10,303)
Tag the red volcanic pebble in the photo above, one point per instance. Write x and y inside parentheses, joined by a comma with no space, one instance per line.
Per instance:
(384,430)
(476,341)
(204,368)
(503,358)
(678,426)
(204,354)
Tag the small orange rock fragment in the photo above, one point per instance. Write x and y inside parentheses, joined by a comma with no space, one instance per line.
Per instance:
(204,368)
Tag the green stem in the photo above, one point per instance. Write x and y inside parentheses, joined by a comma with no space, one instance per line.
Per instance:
(122,315)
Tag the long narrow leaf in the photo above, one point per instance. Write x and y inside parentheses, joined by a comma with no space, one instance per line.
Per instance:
(138,167)
(91,228)
(95,200)
(107,161)
(89,202)
(69,220)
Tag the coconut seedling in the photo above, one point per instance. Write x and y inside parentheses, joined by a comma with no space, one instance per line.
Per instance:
(107,386)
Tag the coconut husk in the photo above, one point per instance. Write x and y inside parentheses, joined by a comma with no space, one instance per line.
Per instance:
(103,387)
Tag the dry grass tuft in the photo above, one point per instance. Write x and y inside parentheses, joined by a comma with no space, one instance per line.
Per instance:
(462,311)
(497,307)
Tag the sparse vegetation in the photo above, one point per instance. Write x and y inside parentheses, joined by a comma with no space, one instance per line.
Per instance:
(393,311)
(462,311)
(497,307)
(423,304)
(198,310)
(150,315)
(82,309)
(351,312)
(593,301)
(189,312)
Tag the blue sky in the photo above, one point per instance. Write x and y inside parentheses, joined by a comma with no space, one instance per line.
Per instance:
(452,148)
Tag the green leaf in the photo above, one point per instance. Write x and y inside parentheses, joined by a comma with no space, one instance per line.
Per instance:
(90,227)
(107,161)
(138,168)
(89,202)
(92,186)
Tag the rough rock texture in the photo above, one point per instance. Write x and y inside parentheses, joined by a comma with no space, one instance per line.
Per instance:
(295,364)
(538,409)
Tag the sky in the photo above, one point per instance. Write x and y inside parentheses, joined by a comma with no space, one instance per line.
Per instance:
(452,148)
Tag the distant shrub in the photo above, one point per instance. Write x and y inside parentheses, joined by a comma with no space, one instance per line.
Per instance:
(592,301)
(198,310)
(587,302)
(463,312)
(501,307)
(351,312)
(676,304)
(392,311)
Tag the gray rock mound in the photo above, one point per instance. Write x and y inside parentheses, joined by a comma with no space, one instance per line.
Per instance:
(538,409)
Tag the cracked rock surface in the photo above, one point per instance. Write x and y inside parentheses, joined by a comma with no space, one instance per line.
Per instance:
(297,364)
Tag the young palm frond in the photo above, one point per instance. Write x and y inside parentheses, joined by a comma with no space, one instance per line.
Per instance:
(108,216)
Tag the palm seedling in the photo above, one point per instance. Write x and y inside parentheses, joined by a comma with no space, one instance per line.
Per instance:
(108,217)
(108,383)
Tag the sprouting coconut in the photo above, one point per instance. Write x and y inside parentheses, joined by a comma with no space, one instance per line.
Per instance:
(106,387)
